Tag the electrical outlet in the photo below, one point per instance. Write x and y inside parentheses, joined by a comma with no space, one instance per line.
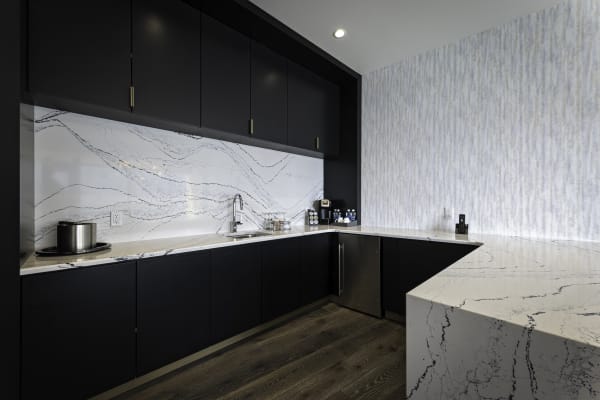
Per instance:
(116,218)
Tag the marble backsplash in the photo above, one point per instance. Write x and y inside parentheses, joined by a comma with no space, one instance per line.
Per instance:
(165,183)
(503,126)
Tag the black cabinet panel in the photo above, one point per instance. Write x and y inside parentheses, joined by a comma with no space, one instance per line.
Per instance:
(80,50)
(408,263)
(173,308)
(236,290)
(281,277)
(166,60)
(313,111)
(269,94)
(225,78)
(315,253)
(78,335)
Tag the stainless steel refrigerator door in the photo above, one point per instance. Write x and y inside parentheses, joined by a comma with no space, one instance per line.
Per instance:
(359,273)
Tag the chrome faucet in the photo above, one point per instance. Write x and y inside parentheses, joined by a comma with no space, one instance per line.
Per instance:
(235,222)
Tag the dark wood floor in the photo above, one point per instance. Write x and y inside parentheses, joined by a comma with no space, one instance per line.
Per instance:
(330,353)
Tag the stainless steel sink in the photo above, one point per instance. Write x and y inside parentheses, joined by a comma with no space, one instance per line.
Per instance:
(247,235)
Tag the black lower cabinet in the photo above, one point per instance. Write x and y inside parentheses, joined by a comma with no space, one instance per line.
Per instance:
(281,277)
(236,290)
(408,263)
(173,308)
(78,336)
(315,256)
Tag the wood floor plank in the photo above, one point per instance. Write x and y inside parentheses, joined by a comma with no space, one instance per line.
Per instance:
(384,380)
(380,383)
(367,355)
(269,351)
(273,384)
(330,353)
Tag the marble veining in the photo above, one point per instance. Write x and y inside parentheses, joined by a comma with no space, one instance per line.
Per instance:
(455,354)
(517,318)
(161,247)
(503,126)
(165,183)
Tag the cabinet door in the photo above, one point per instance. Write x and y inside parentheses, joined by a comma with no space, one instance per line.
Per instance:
(80,50)
(269,95)
(225,78)
(399,272)
(281,277)
(173,308)
(236,294)
(315,255)
(313,111)
(408,263)
(78,331)
(166,60)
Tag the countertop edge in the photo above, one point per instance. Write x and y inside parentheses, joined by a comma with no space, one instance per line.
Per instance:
(78,263)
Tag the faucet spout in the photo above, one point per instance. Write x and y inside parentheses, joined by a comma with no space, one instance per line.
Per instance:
(235,222)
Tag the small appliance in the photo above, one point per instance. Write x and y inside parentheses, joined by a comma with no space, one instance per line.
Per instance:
(324,211)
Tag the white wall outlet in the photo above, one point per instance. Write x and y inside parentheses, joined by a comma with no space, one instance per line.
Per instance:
(116,218)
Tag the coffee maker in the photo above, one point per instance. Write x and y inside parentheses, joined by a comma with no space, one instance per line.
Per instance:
(325,211)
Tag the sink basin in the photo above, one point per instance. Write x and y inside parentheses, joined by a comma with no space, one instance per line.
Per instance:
(247,235)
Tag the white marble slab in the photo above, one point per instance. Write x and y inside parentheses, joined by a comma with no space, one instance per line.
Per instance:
(456,354)
(159,247)
(515,319)
(165,183)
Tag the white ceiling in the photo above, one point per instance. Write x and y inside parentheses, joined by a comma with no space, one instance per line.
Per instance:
(383,32)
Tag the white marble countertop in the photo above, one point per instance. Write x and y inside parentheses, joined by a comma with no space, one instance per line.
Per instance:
(551,286)
(161,247)
(548,285)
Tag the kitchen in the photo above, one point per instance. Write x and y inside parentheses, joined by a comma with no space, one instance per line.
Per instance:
(302,199)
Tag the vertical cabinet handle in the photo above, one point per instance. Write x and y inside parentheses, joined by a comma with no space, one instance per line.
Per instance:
(131,97)
(252,126)
(317,143)
(340,269)
(343,267)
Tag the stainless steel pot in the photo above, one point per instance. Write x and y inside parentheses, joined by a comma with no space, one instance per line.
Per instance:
(73,237)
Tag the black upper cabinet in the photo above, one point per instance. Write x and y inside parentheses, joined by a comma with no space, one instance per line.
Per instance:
(236,295)
(225,78)
(269,95)
(281,277)
(316,251)
(176,68)
(173,308)
(313,111)
(78,331)
(166,60)
(80,51)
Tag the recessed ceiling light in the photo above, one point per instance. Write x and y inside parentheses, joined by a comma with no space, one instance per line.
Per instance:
(339,33)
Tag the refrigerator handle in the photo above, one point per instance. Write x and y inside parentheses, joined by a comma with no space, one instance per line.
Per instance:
(341,267)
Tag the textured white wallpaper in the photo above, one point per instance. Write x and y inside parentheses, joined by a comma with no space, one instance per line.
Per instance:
(165,183)
(503,126)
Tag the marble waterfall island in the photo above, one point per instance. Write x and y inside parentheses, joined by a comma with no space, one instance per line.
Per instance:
(515,319)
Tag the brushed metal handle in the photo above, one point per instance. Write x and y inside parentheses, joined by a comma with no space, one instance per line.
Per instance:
(131,97)
(339,293)
(251,126)
(343,268)
(317,143)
